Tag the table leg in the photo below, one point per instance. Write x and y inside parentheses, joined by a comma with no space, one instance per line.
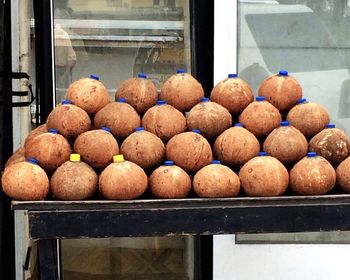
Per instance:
(48,261)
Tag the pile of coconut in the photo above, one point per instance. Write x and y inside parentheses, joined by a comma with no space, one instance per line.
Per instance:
(178,143)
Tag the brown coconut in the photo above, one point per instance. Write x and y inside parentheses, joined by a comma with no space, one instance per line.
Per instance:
(34,133)
(73,180)
(122,180)
(96,147)
(120,117)
(209,117)
(143,148)
(50,149)
(182,91)
(25,181)
(264,176)
(189,150)
(216,180)
(281,90)
(18,156)
(170,181)
(286,143)
(139,92)
(89,94)
(343,175)
(309,118)
(164,121)
(312,175)
(235,146)
(332,144)
(69,120)
(260,117)
(233,93)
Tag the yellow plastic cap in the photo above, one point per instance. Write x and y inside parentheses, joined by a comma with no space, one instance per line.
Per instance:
(118,158)
(75,157)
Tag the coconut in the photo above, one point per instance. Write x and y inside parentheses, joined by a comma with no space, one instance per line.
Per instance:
(181,91)
(331,143)
(69,120)
(34,133)
(122,180)
(25,181)
(260,117)
(282,90)
(18,156)
(233,93)
(164,121)
(216,180)
(120,117)
(96,147)
(50,149)
(286,143)
(89,94)
(312,175)
(170,181)
(310,118)
(143,148)
(264,176)
(343,175)
(73,180)
(139,92)
(209,117)
(189,150)
(235,146)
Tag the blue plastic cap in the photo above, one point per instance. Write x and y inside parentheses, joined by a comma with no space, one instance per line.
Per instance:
(66,101)
(161,102)
(139,128)
(121,100)
(238,124)
(54,131)
(180,71)
(311,154)
(232,76)
(301,101)
(330,125)
(262,154)
(260,98)
(95,77)
(215,161)
(105,128)
(283,73)
(196,131)
(285,123)
(32,160)
(142,76)
(168,163)
(204,99)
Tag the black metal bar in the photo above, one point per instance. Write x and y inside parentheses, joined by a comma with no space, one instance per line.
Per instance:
(47,254)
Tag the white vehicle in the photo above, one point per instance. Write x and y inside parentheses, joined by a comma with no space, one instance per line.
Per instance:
(273,36)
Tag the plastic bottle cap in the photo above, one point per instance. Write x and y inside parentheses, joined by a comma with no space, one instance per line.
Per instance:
(311,154)
(121,100)
(238,124)
(262,154)
(74,157)
(180,71)
(95,77)
(196,131)
(285,123)
(215,161)
(204,99)
(168,163)
(283,73)
(105,128)
(301,101)
(142,76)
(139,128)
(118,158)
(330,125)
(260,98)
(232,75)
(66,101)
(54,131)
(32,160)
(161,102)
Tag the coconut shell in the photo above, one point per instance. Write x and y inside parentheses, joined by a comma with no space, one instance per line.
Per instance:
(122,180)
(34,133)
(89,94)
(143,148)
(51,150)
(69,120)
(18,156)
(332,144)
(120,117)
(260,118)
(73,181)
(343,175)
(96,148)
(312,176)
(140,93)
(281,91)
(170,182)
(264,176)
(25,181)
(210,118)
(287,144)
(189,150)
(216,180)
(235,146)
(182,91)
(234,94)
(309,118)
(164,121)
